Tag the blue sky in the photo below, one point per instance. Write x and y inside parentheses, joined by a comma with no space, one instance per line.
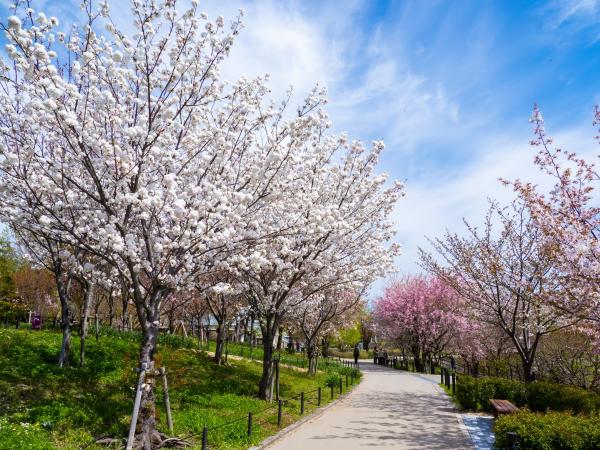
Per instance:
(448,85)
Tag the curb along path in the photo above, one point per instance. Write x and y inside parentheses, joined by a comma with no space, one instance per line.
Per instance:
(389,408)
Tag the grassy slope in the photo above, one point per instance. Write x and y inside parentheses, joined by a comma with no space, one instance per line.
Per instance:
(46,407)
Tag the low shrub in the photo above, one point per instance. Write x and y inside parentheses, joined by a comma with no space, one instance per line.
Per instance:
(543,396)
(350,371)
(467,392)
(553,430)
(475,393)
(332,380)
(23,436)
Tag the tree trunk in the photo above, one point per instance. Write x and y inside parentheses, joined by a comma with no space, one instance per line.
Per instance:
(221,332)
(527,365)
(65,320)
(148,436)
(311,352)
(280,339)
(87,299)
(111,308)
(325,347)
(124,313)
(416,352)
(251,332)
(266,380)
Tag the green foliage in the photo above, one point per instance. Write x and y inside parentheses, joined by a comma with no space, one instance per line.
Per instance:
(12,311)
(544,396)
(350,354)
(333,379)
(66,408)
(467,392)
(350,371)
(475,393)
(23,436)
(550,431)
(9,264)
(349,337)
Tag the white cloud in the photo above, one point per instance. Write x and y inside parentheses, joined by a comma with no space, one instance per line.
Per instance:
(566,10)
(441,200)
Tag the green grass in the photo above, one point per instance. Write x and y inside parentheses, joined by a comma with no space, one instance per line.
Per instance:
(46,407)
(256,353)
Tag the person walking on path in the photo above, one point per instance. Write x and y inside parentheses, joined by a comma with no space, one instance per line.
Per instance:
(356,354)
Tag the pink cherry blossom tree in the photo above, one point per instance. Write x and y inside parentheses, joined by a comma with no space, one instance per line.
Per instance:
(506,273)
(422,314)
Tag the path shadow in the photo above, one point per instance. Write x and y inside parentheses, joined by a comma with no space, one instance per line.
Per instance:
(422,418)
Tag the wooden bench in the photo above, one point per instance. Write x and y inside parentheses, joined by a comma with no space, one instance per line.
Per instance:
(502,407)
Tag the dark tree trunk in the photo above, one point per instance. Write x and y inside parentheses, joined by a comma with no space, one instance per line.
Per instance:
(325,347)
(111,308)
(221,334)
(312,354)
(416,352)
(266,379)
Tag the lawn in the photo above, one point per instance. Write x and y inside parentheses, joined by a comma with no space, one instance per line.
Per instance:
(45,407)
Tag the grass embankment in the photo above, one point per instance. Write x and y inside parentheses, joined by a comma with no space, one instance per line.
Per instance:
(45,407)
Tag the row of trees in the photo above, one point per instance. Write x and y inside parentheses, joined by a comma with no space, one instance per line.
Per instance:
(129,166)
(527,278)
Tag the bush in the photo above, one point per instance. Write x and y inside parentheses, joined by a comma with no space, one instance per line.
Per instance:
(332,380)
(553,430)
(350,371)
(544,396)
(475,393)
(467,392)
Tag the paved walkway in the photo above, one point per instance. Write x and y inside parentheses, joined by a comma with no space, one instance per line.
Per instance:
(391,409)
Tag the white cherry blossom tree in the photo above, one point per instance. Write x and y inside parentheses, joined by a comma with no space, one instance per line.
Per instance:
(131,149)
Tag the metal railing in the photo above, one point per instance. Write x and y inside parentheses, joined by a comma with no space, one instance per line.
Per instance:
(314,397)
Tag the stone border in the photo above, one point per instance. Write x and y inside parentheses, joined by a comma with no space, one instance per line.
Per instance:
(292,427)
(457,413)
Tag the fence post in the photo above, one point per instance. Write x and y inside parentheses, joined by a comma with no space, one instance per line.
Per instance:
(340,385)
(136,410)
(346,381)
(442,375)
(331,392)
(279,411)
(205,438)
(163,374)
(319,397)
(454,383)
(352,379)
(301,403)
(249,424)
(277,378)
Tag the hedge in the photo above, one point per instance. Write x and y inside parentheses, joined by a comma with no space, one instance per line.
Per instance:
(550,431)
(475,393)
